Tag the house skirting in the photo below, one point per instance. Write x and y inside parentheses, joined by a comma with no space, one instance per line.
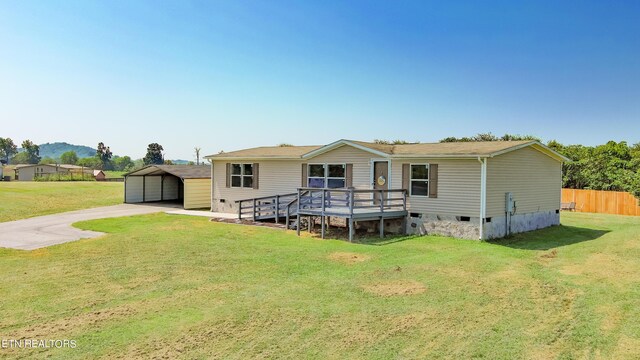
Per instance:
(453,226)
(498,226)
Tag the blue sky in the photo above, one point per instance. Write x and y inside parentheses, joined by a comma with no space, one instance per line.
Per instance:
(235,74)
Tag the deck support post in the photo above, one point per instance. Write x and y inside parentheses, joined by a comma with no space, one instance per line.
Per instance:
(350,229)
(404,225)
(310,222)
(240,210)
(322,222)
(254,209)
(277,209)
(381,227)
(298,217)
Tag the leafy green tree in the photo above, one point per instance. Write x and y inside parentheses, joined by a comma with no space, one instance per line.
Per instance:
(137,164)
(391,142)
(32,150)
(69,157)
(47,160)
(89,162)
(613,166)
(20,158)
(104,154)
(7,149)
(490,137)
(123,163)
(154,154)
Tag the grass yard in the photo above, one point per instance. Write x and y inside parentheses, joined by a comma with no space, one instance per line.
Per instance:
(110,174)
(167,286)
(20,200)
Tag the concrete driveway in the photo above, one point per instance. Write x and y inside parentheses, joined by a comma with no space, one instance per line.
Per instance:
(43,231)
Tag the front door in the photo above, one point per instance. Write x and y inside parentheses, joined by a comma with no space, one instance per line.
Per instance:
(380,178)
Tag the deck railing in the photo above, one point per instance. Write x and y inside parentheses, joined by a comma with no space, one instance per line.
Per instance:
(350,201)
(271,207)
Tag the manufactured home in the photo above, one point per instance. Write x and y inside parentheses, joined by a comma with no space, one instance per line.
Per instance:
(189,185)
(29,172)
(473,190)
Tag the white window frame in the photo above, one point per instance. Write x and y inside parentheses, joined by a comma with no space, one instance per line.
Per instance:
(428,180)
(241,175)
(326,174)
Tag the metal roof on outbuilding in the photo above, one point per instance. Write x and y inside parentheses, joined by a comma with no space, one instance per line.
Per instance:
(181,171)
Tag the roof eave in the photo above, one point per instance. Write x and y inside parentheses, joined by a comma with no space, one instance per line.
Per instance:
(440,156)
(539,146)
(251,158)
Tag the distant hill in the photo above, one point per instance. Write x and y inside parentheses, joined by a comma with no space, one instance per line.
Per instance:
(54,150)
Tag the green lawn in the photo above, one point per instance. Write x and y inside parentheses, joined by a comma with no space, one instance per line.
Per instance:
(19,200)
(182,287)
(114,174)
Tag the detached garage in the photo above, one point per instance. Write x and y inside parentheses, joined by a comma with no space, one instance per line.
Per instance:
(187,184)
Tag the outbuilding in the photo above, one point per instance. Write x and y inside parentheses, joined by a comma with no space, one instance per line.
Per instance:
(186,184)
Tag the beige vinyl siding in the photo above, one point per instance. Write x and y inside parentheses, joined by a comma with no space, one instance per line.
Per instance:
(170,187)
(458,187)
(346,154)
(152,188)
(285,176)
(276,177)
(534,178)
(133,189)
(197,193)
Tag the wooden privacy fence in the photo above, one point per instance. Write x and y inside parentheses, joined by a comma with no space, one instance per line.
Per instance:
(607,202)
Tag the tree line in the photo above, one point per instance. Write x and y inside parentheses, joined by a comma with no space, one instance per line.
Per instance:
(103,159)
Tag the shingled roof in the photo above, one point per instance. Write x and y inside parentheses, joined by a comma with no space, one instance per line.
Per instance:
(451,149)
(181,171)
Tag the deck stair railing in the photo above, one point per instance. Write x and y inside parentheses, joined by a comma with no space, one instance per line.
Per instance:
(266,207)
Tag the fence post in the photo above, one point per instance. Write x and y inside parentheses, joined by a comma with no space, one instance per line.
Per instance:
(381,201)
(240,210)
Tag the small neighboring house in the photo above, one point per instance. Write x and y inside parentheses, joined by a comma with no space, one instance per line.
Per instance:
(27,172)
(99,175)
(474,190)
(189,185)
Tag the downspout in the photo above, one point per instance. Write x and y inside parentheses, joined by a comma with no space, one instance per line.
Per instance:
(211,185)
(483,194)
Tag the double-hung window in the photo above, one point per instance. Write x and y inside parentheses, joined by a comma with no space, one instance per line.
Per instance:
(419,182)
(242,175)
(332,176)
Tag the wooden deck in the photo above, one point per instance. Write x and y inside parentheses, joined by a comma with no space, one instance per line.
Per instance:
(350,204)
